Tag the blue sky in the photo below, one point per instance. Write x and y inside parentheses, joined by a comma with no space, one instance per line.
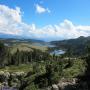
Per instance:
(45,14)
(78,11)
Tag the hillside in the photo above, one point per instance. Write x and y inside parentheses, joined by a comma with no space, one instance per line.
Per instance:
(24,44)
(28,65)
(76,46)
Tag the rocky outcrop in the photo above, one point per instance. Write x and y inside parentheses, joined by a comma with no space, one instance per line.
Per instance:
(55,87)
(64,84)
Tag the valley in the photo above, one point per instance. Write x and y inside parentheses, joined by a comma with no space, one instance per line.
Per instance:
(38,65)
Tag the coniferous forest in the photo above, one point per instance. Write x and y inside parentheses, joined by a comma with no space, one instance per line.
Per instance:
(40,70)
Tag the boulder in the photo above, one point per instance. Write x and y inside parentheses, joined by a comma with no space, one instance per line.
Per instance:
(55,87)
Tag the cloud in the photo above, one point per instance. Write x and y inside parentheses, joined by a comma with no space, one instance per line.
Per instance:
(10,20)
(40,9)
(11,23)
(64,30)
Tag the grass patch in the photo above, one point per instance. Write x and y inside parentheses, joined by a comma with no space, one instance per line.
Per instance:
(20,68)
(26,47)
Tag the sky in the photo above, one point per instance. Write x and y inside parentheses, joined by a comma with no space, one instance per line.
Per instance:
(45,19)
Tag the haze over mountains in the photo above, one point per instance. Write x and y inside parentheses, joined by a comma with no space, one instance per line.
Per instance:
(80,39)
(7,36)
(76,46)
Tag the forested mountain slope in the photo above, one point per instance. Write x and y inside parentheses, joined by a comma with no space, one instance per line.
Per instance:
(76,46)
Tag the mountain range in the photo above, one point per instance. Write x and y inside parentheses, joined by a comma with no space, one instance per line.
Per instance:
(76,46)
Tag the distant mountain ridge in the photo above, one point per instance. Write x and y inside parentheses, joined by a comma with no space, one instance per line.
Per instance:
(16,37)
(75,46)
(10,37)
(80,40)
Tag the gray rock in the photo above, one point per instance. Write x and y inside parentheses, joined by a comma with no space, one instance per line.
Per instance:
(55,87)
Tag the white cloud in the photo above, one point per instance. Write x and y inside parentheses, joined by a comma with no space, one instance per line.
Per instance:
(40,9)
(11,23)
(9,20)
